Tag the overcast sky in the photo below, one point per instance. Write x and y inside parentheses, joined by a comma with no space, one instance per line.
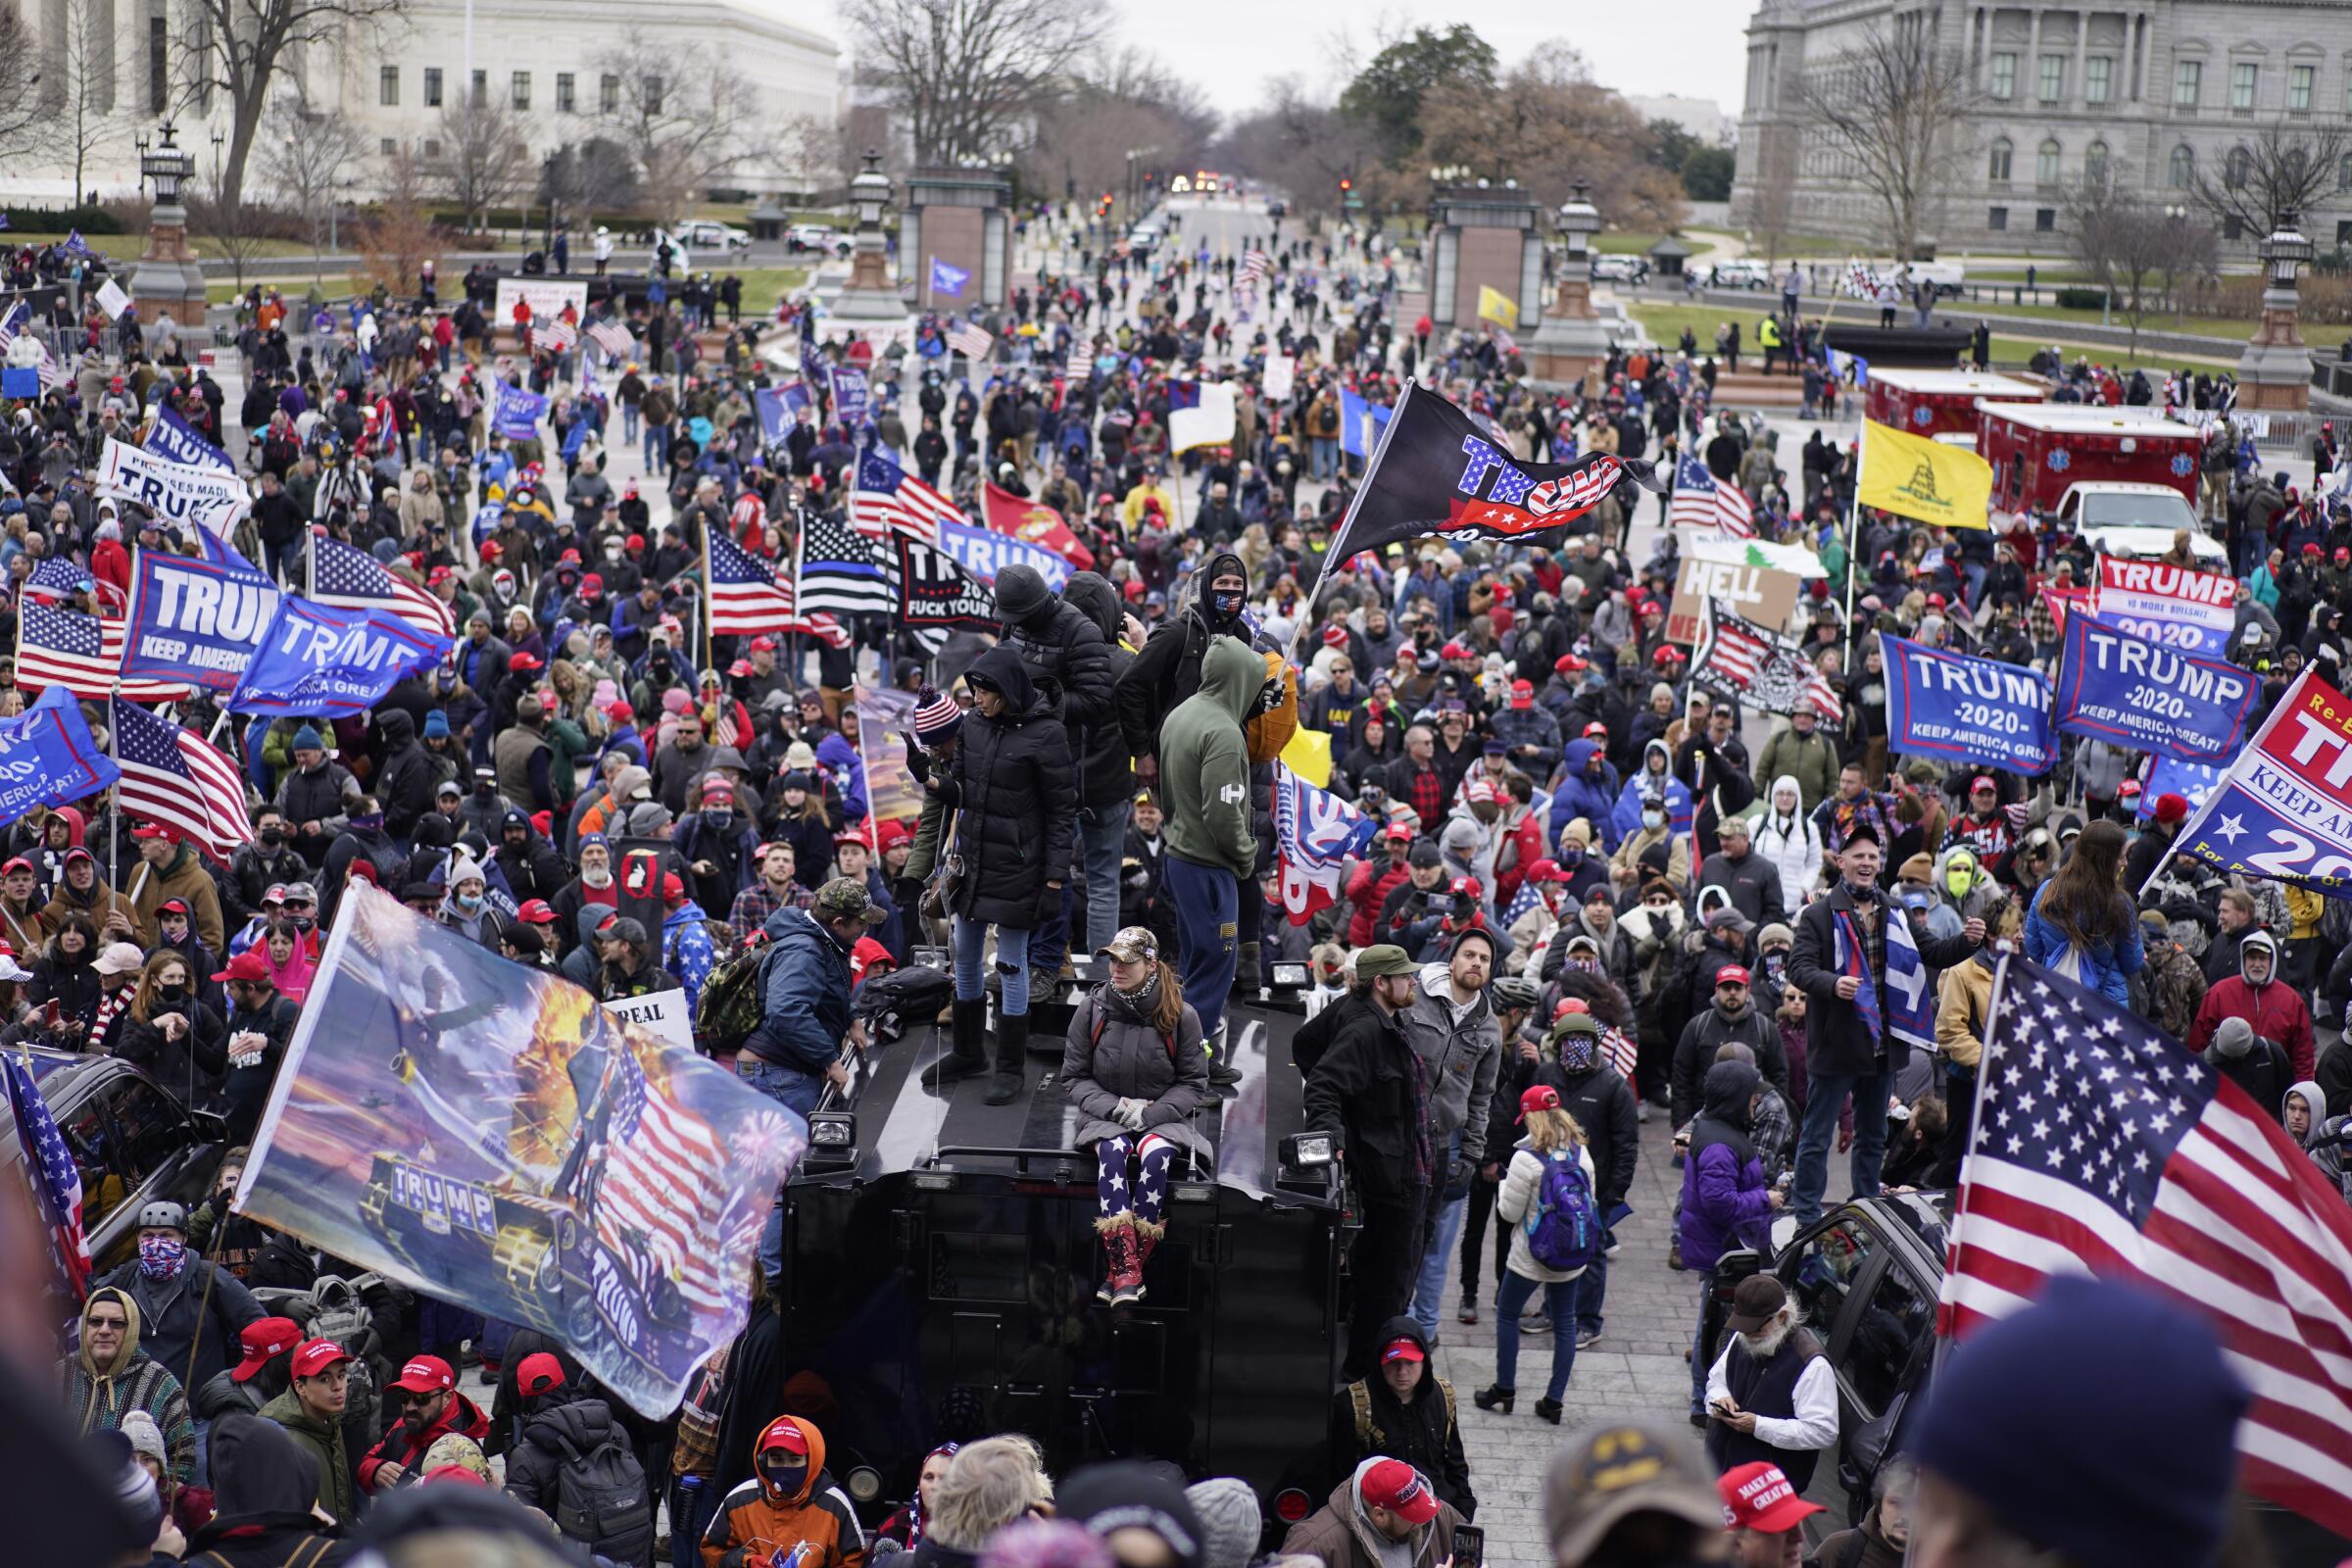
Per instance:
(1697,48)
(1231,47)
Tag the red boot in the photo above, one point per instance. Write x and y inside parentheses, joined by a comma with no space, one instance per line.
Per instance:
(1147,1237)
(1121,1271)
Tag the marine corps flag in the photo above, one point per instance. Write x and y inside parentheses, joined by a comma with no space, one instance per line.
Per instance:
(1435,472)
(1033,523)
(1913,476)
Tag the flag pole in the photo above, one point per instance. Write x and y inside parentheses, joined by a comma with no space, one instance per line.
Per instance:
(1975,1131)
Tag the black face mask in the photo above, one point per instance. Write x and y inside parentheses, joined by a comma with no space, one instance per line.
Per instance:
(273,837)
(172,993)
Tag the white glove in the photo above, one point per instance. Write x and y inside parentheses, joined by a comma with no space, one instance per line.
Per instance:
(1129,1113)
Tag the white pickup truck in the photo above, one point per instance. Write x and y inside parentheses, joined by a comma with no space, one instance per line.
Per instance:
(2137,521)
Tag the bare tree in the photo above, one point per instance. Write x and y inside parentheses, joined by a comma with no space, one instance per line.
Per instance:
(2125,244)
(485,162)
(397,236)
(1115,102)
(239,46)
(685,114)
(1771,206)
(1547,123)
(595,175)
(306,158)
(967,75)
(23,112)
(1891,111)
(1301,142)
(80,91)
(2277,176)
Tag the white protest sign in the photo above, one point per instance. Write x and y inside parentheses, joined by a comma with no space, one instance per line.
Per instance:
(179,492)
(112,300)
(664,1012)
(546,297)
(1282,376)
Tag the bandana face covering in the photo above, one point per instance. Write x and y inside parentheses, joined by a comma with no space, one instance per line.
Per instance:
(160,1257)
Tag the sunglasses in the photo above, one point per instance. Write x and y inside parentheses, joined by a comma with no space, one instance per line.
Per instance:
(108,1322)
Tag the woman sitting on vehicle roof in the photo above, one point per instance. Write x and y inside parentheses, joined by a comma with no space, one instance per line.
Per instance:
(1135,1070)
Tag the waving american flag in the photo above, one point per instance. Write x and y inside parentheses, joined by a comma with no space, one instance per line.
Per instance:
(181,781)
(55,1179)
(749,598)
(1702,501)
(888,501)
(2100,1146)
(353,579)
(658,1199)
(82,653)
(1314,832)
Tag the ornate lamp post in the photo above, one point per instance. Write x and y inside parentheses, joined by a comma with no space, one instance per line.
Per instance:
(1571,339)
(2275,371)
(869,295)
(166,278)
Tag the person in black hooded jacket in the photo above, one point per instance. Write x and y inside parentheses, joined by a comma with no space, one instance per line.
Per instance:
(263,1486)
(1065,648)
(1403,1410)
(1011,787)
(1106,787)
(1169,669)
(407,778)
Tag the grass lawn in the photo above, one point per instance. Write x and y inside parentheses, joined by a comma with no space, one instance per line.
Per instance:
(1787,246)
(126,247)
(1665,324)
(1626,243)
(764,286)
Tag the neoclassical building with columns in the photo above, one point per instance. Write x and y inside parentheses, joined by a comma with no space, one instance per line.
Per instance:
(2148,92)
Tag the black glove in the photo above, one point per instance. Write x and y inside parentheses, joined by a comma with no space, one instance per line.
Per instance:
(1458,1173)
(906,891)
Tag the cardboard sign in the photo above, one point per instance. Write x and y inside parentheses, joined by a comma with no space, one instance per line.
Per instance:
(1758,593)
(664,1012)
(112,300)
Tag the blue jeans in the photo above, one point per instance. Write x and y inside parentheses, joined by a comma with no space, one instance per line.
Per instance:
(656,439)
(1102,837)
(632,422)
(1561,1302)
(1824,1093)
(1208,911)
(797,1091)
(970,937)
(1429,1293)
(1593,1292)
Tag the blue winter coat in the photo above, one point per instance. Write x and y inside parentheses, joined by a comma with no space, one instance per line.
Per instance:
(1594,799)
(806,997)
(1625,817)
(1727,1202)
(2106,969)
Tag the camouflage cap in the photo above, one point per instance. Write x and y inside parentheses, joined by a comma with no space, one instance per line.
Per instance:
(845,899)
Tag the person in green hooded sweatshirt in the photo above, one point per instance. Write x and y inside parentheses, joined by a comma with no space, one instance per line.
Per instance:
(1211,851)
(312,1412)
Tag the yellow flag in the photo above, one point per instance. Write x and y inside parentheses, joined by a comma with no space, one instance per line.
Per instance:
(1309,755)
(1913,476)
(1497,307)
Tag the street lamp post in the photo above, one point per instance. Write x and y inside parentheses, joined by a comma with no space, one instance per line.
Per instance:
(1571,339)
(2275,368)
(167,279)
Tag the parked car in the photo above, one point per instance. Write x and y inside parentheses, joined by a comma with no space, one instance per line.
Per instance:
(1277,208)
(1620,268)
(1742,273)
(1143,237)
(817,237)
(709,234)
(132,1139)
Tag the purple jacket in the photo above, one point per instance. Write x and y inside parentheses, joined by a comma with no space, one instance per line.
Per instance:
(1726,1199)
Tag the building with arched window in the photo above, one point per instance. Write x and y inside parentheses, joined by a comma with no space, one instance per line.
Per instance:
(2140,94)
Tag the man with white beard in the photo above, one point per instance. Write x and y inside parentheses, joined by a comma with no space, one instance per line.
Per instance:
(1771,1395)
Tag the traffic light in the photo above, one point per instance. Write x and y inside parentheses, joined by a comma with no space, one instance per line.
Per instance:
(1345,185)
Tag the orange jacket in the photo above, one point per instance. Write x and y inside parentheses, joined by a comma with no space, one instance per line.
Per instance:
(819,1512)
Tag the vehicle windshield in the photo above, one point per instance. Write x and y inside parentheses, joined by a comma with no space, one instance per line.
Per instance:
(2137,508)
(1929,1215)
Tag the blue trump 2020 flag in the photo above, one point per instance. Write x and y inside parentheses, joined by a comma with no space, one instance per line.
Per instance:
(2139,695)
(1958,708)
(849,395)
(317,661)
(516,414)
(948,280)
(171,436)
(779,407)
(194,620)
(48,756)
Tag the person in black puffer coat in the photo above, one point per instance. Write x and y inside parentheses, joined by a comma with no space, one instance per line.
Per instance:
(406,780)
(565,1417)
(1012,788)
(1107,786)
(1066,650)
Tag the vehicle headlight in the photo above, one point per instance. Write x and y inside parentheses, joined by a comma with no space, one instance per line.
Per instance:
(1307,1150)
(1292,976)
(832,1130)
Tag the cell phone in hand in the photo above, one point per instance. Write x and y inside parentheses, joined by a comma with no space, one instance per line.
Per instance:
(1469,1546)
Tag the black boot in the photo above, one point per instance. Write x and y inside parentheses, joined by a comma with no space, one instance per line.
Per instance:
(1222,1073)
(1012,1059)
(1246,970)
(967,1056)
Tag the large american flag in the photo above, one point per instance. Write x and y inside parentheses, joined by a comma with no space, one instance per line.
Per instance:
(554,334)
(56,578)
(2101,1145)
(970,341)
(353,579)
(55,1179)
(82,653)
(614,338)
(842,571)
(661,1186)
(179,779)
(749,598)
(1701,501)
(889,501)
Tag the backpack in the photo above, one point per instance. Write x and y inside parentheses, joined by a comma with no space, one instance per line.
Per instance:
(334,1309)
(734,995)
(601,1501)
(1563,1228)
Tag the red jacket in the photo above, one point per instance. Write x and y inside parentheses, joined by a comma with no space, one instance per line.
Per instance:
(463,1416)
(1368,888)
(1522,847)
(2277,1013)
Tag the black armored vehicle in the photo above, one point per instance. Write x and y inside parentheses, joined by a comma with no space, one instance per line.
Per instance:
(941,1262)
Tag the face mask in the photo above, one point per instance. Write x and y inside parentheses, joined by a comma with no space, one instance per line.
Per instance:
(719,819)
(1653,819)
(304,922)
(469,902)
(273,837)
(1226,603)
(173,994)
(1571,855)
(611,551)
(1958,881)
(160,1257)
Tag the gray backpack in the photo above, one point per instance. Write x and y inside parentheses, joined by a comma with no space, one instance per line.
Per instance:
(601,1501)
